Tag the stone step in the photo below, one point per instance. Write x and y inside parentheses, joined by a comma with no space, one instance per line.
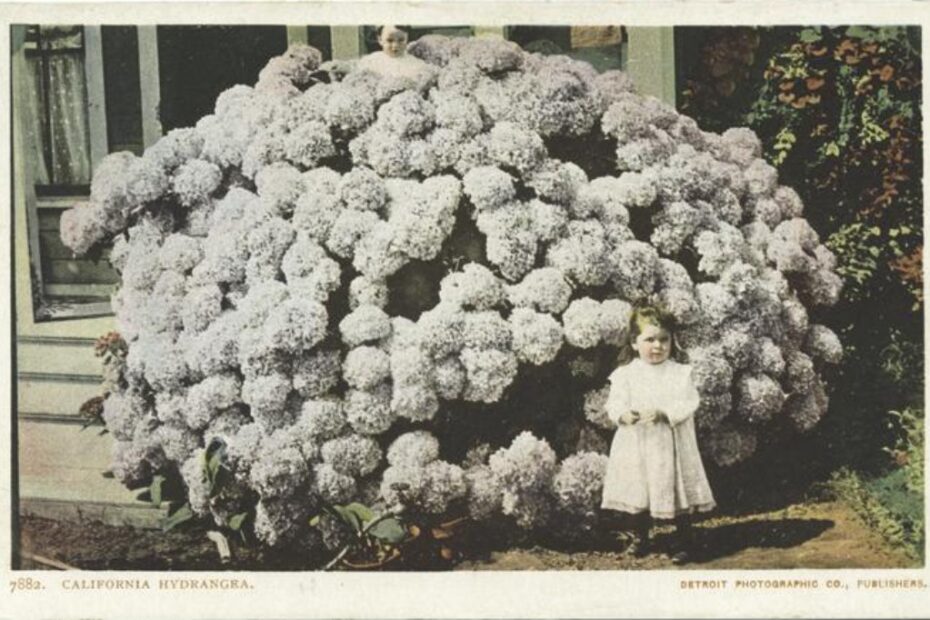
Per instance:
(54,395)
(61,471)
(50,355)
(56,375)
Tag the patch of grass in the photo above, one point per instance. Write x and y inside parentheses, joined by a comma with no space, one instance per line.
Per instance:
(887,504)
(908,451)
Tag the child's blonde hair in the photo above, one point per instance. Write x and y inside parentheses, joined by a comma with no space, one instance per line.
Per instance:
(639,319)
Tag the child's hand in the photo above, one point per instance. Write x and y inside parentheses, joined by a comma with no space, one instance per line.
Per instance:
(629,417)
(653,416)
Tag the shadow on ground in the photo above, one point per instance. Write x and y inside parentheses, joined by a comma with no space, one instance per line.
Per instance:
(711,543)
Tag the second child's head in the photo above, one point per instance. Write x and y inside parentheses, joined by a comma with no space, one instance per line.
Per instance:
(652,334)
(393,40)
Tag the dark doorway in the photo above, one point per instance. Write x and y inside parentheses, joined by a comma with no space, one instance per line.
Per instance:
(197,63)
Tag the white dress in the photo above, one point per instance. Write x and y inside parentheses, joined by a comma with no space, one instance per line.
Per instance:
(655,466)
(407,68)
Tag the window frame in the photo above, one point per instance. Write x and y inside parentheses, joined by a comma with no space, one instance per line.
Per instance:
(39,198)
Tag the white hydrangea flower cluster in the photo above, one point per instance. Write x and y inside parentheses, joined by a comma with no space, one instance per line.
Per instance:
(317,266)
(416,479)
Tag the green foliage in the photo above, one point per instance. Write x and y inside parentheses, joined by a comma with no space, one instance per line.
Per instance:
(838,110)
(215,471)
(372,538)
(213,466)
(355,515)
(182,515)
(155,490)
(902,361)
(887,506)
(908,451)
(236,521)
(91,412)
(857,251)
(838,113)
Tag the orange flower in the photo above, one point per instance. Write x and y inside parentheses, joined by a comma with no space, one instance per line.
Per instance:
(886,73)
(900,458)
(817,50)
(814,83)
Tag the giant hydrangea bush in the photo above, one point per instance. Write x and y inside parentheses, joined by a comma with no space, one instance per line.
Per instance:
(404,292)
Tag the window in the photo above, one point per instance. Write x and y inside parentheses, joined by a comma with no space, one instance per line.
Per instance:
(60,99)
(56,99)
(602,46)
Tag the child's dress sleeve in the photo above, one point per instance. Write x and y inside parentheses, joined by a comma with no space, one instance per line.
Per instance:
(687,399)
(618,399)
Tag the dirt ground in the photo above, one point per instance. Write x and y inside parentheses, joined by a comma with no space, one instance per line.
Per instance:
(809,535)
(806,535)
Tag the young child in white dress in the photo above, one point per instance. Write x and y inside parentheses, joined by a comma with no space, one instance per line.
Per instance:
(655,469)
(393,60)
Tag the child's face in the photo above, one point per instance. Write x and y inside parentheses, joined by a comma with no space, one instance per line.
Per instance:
(393,41)
(654,344)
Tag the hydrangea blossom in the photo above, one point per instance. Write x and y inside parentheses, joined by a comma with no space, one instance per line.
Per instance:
(416,448)
(595,408)
(207,398)
(450,376)
(582,255)
(582,322)
(352,455)
(368,411)
(485,494)
(317,373)
(365,367)
(823,344)
(195,181)
(474,287)
(544,289)
(731,444)
(332,485)
(524,471)
(578,483)
(537,337)
(322,268)
(365,324)
(415,401)
(489,372)
(759,397)
(321,420)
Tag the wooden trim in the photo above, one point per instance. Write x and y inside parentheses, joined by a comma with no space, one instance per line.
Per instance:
(490,32)
(25,222)
(59,378)
(149,84)
(651,61)
(80,290)
(57,340)
(73,419)
(96,94)
(140,515)
(297,34)
(59,202)
(347,42)
(81,311)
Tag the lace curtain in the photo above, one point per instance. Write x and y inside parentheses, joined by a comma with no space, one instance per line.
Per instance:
(57,117)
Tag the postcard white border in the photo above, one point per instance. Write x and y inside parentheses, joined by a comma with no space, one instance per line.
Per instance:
(524,594)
